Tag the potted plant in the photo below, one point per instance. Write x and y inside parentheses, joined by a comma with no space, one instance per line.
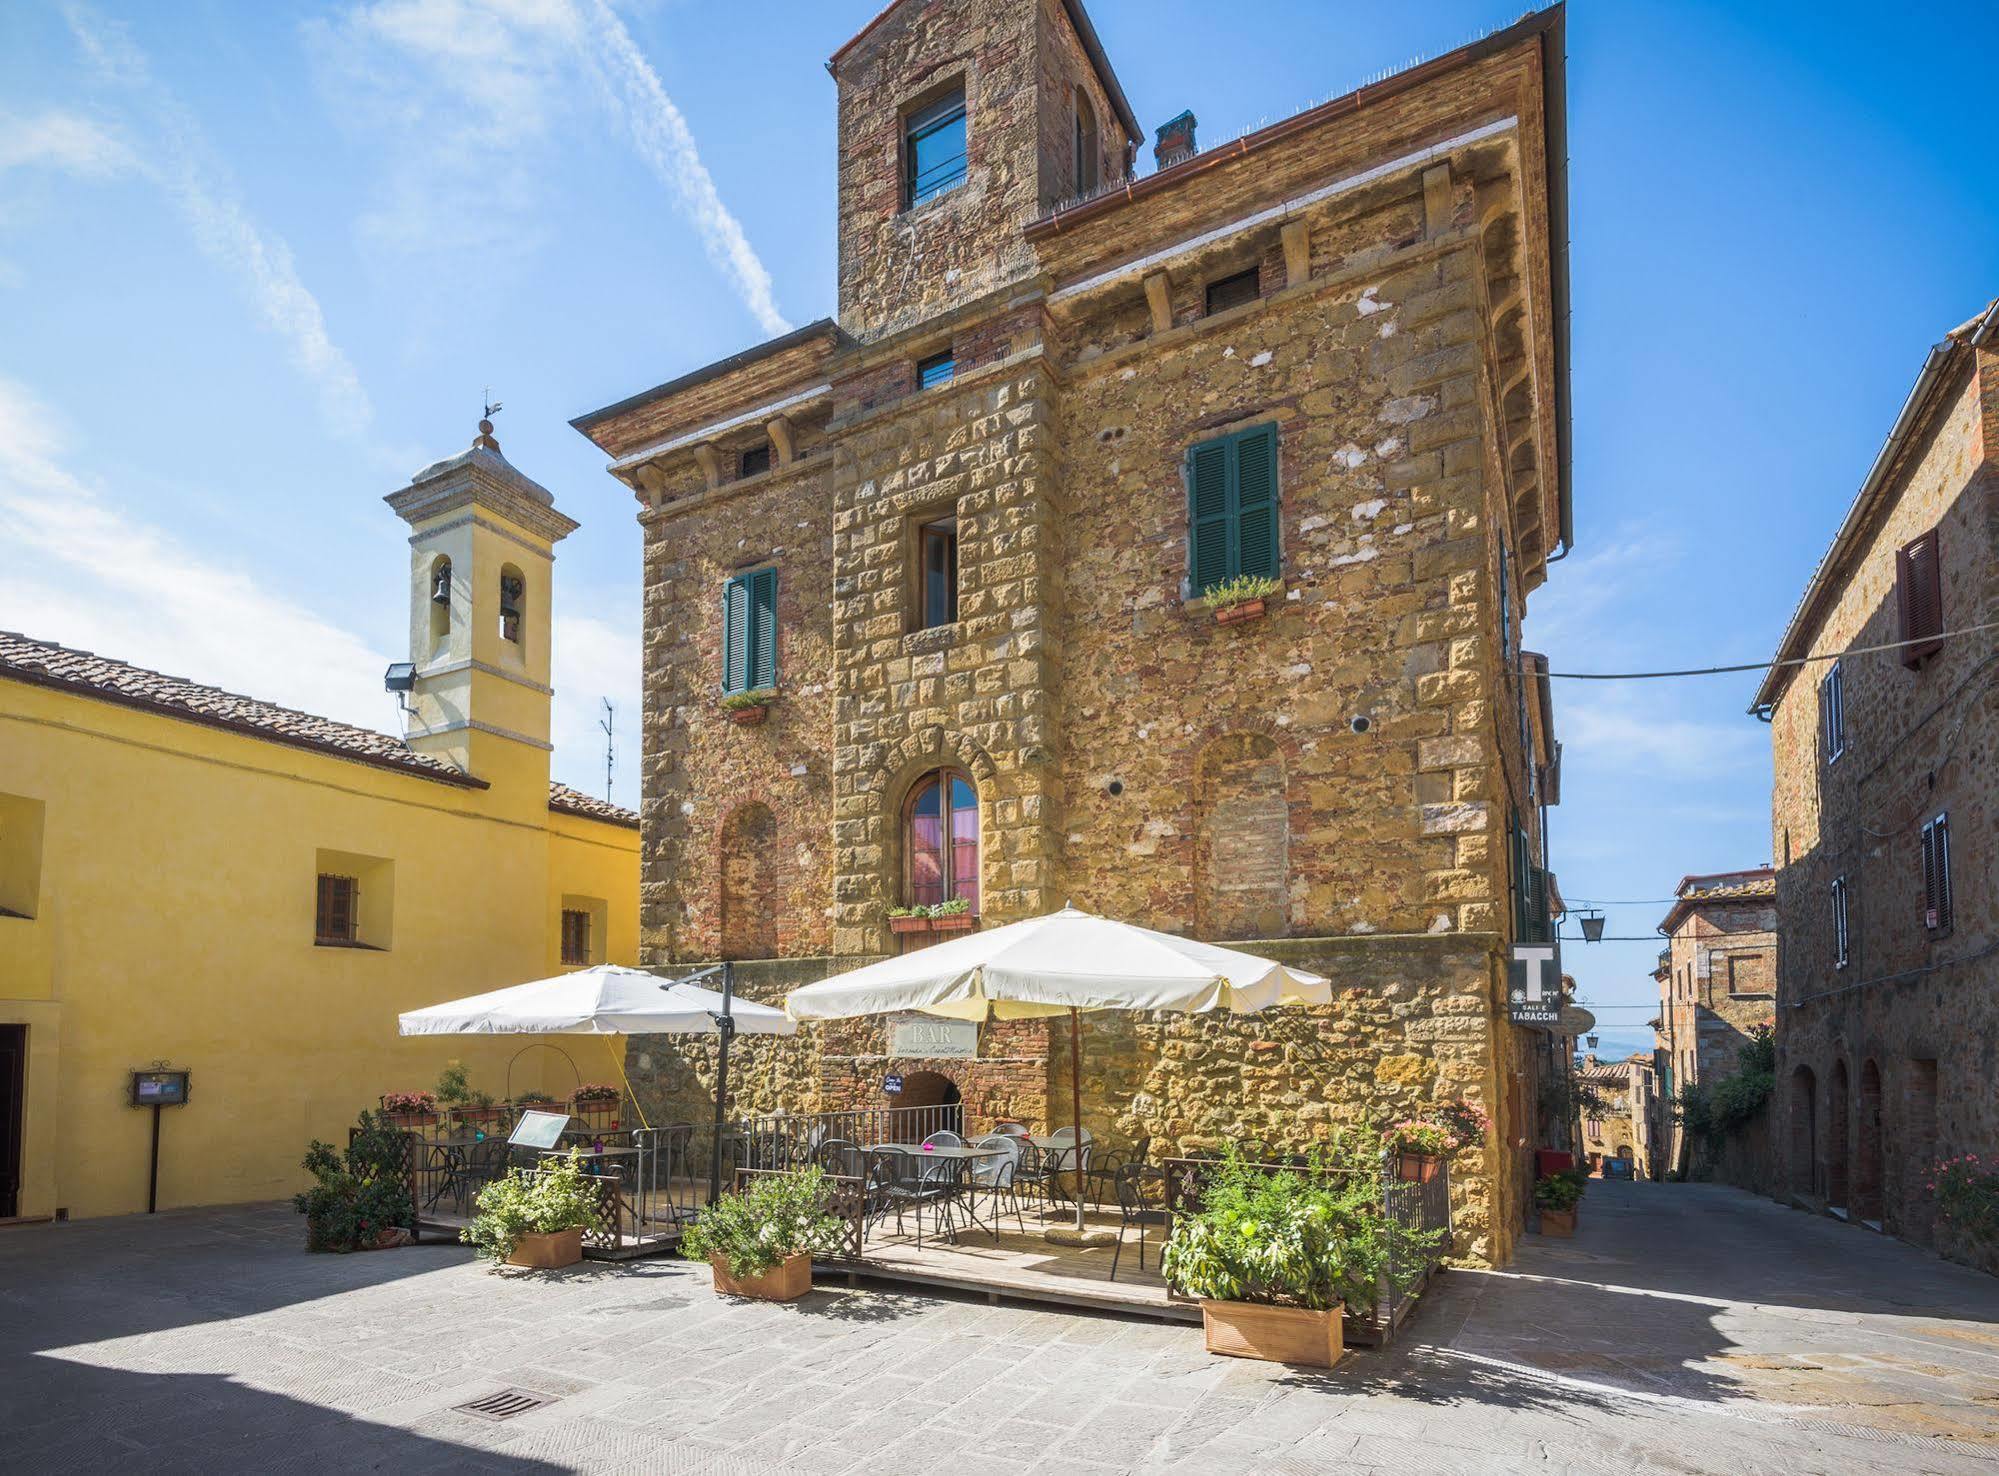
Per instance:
(954,916)
(1465,1121)
(749,708)
(360,1199)
(1422,1147)
(1557,1196)
(535,1218)
(1269,1256)
(1241,598)
(534,1099)
(596,1102)
(760,1240)
(466,1107)
(410,1109)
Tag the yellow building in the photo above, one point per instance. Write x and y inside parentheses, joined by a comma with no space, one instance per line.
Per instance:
(252,894)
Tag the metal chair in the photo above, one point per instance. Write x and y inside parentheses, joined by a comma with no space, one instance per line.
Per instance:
(995,1177)
(1101,1177)
(915,1184)
(840,1158)
(943,1138)
(1064,1159)
(1141,1198)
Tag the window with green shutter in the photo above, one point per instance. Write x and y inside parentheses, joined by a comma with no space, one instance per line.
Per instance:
(749,631)
(1232,508)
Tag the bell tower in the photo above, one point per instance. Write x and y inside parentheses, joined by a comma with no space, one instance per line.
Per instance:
(482,555)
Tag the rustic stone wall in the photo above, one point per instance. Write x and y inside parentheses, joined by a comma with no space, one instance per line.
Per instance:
(1888,1064)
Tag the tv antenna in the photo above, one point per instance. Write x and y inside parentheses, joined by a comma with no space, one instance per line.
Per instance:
(609,722)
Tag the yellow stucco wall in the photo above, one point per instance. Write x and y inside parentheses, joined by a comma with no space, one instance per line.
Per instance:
(173,922)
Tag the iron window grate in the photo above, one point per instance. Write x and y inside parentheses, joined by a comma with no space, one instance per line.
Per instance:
(505,1405)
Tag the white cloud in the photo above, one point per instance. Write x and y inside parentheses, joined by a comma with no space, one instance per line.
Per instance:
(1622,736)
(64,141)
(595,659)
(1571,611)
(77,571)
(179,160)
(462,90)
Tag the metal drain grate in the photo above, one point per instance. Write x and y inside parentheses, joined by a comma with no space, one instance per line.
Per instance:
(505,1405)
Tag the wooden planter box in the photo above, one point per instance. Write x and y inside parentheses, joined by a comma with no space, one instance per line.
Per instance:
(1559,1223)
(1236,614)
(480,1116)
(1419,1168)
(787,1281)
(961,922)
(1273,1334)
(547,1252)
(748,717)
(411,1119)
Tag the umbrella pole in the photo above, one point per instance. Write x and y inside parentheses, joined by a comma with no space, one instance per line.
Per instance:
(1076,1102)
(725,1026)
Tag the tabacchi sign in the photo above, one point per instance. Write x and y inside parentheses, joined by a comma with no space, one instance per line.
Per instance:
(1534,984)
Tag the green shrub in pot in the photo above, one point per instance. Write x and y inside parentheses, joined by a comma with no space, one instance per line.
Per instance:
(777,1216)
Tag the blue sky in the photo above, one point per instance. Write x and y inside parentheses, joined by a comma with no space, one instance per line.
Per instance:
(257,264)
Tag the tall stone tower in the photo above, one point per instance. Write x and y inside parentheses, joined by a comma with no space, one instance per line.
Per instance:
(482,553)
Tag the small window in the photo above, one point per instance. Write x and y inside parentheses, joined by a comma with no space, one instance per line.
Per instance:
(933,148)
(754,462)
(1086,145)
(1233,291)
(1232,508)
(935,370)
(1832,711)
(1937,909)
(937,556)
(338,917)
(575,936)
(1841,946)
(440,603)
(749,631)
(513,604)
(1919,598)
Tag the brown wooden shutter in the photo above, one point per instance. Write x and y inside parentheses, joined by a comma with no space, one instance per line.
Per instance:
(1919,597)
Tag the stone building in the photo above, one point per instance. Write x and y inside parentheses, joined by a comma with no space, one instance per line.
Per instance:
(1884,820)
(1717,979)
(963,535)
(1617,1124)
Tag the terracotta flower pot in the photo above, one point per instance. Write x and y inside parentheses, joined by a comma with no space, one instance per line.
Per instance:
(1419,1168)
(909,925)
(1273,1334)
(411,1119)
(549,1251)
(787,1281)
(1559,1223)
(958,922)
(747,717)
(1237,613)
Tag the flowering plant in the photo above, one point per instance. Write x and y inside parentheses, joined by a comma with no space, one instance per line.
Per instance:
(1561,1191)
(776,1217)
(401,1102)
(594,1091)
(1967,1191)
(739,701)
(1466,1122)
(1424,1138)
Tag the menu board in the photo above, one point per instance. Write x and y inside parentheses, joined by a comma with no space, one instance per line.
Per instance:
(539,1129)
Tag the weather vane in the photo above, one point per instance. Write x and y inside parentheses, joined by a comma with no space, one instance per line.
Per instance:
(489,407)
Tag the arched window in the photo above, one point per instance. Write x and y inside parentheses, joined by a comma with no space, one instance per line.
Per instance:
(1242,880)
(1086,145)
(440,602)
(940,840)
(750,901)
(513,603)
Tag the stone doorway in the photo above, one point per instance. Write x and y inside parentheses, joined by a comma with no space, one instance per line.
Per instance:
(1804,1133)
(13,1099)
(1838,1109)
(938,1092)
(1867,1149)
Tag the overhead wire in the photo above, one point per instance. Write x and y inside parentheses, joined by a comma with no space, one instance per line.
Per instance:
(1789,661)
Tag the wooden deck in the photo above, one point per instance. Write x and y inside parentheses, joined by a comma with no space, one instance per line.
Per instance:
(1022,1266)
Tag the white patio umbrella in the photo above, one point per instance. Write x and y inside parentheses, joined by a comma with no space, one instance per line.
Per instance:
(607,999)
(1066,962)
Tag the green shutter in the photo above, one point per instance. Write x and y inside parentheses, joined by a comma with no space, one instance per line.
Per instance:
(736,634)
(1208,515)
(763,628)
(1256,503)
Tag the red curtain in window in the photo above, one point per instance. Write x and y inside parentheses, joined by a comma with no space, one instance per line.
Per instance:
(941,841)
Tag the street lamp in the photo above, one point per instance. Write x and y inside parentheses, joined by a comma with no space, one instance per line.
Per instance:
(1592,922)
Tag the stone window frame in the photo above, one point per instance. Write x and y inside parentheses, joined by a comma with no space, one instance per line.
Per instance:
(929,96)
(1727,961)
(945,774)
(1842,928)
(914,522)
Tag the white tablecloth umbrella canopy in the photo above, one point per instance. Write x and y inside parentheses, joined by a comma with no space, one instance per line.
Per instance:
(607,999)
(1066,962)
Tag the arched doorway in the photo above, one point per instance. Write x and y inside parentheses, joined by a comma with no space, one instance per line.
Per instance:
(1804,1132)
(940,1101)
(1837,1109)
(1867,1149)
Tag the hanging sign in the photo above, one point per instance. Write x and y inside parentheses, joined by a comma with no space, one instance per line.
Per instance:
(892,1083)
(1534,984)
(926,1037)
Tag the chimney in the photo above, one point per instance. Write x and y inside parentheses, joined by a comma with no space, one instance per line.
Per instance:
(1175,141)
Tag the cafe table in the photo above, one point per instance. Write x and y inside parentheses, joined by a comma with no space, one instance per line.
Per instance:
(954,1155)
